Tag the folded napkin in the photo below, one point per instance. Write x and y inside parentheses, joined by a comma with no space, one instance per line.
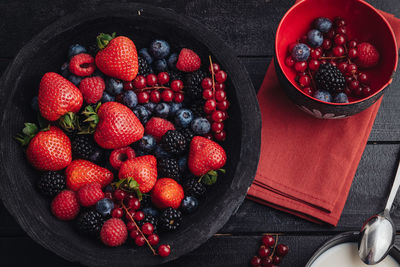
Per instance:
(307,164)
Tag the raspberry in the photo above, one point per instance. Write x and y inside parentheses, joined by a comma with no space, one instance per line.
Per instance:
(188,61)
(82,65)
(367,55)
(92,89)
(89,194)
(120,155)
(114,232)
(65,205)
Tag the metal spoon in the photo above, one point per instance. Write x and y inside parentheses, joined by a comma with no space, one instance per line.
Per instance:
(378,232)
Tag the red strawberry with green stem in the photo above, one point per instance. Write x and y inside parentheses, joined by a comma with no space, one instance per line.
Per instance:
(206,157)
(157,127)
(48,149)
(58,96)
(117,57)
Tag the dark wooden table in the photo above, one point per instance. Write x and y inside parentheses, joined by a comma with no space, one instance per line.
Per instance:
(248,26)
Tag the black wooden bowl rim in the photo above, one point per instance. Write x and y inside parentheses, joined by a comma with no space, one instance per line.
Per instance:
(345,237)
(245,168)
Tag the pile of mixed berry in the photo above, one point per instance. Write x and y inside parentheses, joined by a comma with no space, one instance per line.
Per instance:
(127,139)
(331,66)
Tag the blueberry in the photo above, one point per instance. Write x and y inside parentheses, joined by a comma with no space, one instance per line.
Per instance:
(150,106)
(104,206)
(162,110)
(147,143)
(300,52)
(151,211)
(74,79)
(159,49)
(114,87)
(160,153)
(323,96)
(97,156)
(182,163)
(140,153)
(142,113)
(172,59)
(144,53)
(160,65)
(183,117)
(323,24)
(129,99)
(35,103)
(65,70)
(108,188)
(341,98)
(76,49)
(315,38)
(107,97)
(174,107)
(189,204)
(200,126)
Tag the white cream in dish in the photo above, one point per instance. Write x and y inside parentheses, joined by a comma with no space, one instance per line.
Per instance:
(346,255)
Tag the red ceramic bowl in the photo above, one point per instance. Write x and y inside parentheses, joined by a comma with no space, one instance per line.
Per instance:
(364,23)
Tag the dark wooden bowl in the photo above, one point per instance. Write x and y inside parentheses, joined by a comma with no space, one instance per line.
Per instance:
(46,52)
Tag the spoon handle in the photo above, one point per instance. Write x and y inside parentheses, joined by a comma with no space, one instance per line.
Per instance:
(393,192)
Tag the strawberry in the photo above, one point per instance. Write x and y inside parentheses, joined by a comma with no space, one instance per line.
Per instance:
(114,232)
(117,57)
(82,65)
(81,172)
(142,169)
(48,150)
(167,193)
(157,127)
(367,55)
(188,61)
(92,89)
(65,205)
(89,194)
(117,126)
(57,96)
(205,156)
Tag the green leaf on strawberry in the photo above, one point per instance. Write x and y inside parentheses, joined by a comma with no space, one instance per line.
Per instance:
(69,122)
(28,132)
(91,121)
(129,185)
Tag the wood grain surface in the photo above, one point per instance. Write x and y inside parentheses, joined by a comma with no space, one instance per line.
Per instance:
(248,27)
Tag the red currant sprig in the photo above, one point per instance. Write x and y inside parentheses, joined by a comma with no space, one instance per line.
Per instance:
(270,253)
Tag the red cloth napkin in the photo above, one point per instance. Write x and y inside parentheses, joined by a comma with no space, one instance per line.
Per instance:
(301,171)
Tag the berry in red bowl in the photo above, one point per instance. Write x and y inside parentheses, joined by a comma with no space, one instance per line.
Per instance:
(334,58)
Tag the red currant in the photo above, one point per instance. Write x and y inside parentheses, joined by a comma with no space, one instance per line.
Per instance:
(163,78)
(327,44)
(147,228)
(220,86)
(339,39)
(134,204)
(108,195)
(313,64)
(289,62)
(357,91)
(347,91)
(210,106)
(348,78)
(354,84)
(303,39)
(130,226)
(208,136)
(342,30)
(117,213)
(263,251)
(220,95)
(221,76)
(338,51)
(119,194)
(352,53)
(304,80)
(176,85)
(282,250)
(140,241)
(331,34)
(276,259)
(215,68)
(351,69)
(208,94)
(206,83)
(151,79)
(217,116)
(130,214)
(333,63)
(342,67)
(220,136)
(225,115)
(307,91)
(143,97)
(167,95)
(366,91)
(323,61)
(155,96)
(223,105)
(134,233)
(179,97)
(128,86)
(268,240)
(255,261)
(164,250)
(363,78)
(139,82)
(217,127)
(266,262)
(315,54)
(352,44)
(339,22)
(139,216)
(153,239)
(300,66)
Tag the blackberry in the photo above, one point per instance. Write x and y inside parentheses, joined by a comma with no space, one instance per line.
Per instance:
(168,168)
(51,183)
(144,67)
(188,134)
(90,222)
(170,219)
(194,79)
(175,75)
(198,109)
(146,201)
(82,146)
(148,218)
(194,92)
(329,78)
(174,142)
(194,188)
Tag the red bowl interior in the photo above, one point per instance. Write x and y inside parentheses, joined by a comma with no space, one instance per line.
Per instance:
(364,23)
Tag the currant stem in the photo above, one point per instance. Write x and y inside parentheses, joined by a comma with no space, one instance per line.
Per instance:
(154,88)
(341,57)
(276,243)
(212,77)
(138,228)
